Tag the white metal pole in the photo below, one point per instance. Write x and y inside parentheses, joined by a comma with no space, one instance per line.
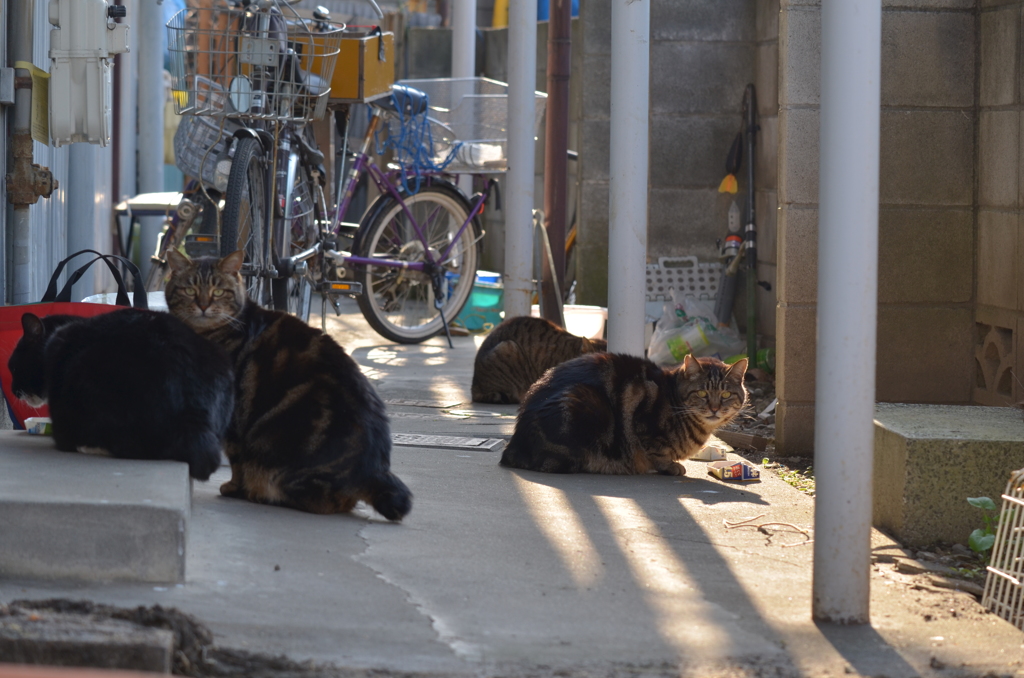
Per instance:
(627,216)
(151,118)
(847,307)
(464,56)
(522,77)
(463,38)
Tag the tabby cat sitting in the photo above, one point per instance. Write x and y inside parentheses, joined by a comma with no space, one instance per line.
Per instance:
(614,413)
(132,384)
(309,430)
(518,352)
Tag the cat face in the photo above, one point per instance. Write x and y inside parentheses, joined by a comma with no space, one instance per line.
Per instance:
(205,293)
(28,374)
(710,389)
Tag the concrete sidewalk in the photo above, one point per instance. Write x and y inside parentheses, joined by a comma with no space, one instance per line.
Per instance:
(499,572)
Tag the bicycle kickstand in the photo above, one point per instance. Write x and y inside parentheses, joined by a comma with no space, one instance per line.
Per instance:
(435,281)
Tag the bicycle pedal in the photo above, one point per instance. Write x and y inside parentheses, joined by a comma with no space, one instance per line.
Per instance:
(342,287)
(202,246)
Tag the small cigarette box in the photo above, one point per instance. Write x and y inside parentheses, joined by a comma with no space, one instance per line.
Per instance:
(734,471)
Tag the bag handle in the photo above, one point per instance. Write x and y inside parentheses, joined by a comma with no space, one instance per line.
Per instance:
(382,55)
(139,294)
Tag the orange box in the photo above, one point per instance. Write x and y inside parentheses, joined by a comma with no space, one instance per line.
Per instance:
(360,75)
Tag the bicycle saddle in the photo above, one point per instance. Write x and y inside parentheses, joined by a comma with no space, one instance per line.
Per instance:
(410,100)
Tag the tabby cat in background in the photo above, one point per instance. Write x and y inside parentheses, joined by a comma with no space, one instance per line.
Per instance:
(309,430)
(518,352)
(615,413)
(131,384)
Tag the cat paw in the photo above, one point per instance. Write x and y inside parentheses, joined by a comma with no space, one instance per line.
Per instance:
(673,470)
(231,489)
(94,451)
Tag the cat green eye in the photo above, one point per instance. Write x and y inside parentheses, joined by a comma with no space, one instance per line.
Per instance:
(191,291)
(218,293)
(702,394)
(726,394)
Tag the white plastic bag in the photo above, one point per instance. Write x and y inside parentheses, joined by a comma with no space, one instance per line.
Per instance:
(688,325)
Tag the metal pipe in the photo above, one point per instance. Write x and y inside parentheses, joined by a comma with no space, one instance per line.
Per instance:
(847,307)
(556,161)
(21,13)
(627,213)
(522,78)
(150,119)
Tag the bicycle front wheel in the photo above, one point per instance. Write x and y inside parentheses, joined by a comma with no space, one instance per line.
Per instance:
(399,303)
(243,221)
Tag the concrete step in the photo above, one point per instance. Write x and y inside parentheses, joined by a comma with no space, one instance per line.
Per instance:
(930,458)
(89,518)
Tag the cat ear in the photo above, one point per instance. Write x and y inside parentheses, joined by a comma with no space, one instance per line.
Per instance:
(691,368)
(232,263)
(177,261)
(737,370)
(32,325)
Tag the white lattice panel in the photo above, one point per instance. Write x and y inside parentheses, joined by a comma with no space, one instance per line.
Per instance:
(683,274)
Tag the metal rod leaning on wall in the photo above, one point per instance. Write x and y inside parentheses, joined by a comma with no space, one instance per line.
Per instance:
(750,233)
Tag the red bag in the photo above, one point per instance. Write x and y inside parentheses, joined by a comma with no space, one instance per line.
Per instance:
(54,303)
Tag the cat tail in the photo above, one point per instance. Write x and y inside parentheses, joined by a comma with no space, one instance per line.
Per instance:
(197,446)
(390,497)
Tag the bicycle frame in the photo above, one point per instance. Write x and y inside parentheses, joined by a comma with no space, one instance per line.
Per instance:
(387,182)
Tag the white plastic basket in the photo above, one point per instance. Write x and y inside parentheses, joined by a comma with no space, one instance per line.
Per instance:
(682,274)
(1004,585)
(469,117)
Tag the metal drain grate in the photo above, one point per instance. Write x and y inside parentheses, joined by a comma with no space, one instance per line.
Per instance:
(407,402)
(447,442)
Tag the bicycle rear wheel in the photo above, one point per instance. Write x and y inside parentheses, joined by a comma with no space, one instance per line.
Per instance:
(298,232)
(399,303)
(243,221)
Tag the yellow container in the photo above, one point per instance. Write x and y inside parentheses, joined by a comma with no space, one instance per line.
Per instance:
(360,74)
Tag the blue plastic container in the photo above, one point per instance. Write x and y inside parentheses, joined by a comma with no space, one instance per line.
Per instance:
(486,302)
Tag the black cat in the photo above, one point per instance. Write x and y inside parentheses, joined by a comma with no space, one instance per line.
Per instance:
(132,384)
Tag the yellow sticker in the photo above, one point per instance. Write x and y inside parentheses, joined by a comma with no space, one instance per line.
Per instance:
(40,101)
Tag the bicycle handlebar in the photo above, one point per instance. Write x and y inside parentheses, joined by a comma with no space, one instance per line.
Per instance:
(376,8)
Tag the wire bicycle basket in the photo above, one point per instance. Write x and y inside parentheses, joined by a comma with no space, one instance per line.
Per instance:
(463,130)
(250,65)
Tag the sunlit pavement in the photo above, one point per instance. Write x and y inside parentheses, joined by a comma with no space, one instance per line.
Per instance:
(499,572)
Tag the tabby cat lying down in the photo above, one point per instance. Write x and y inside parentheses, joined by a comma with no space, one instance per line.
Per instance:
(614,413)
(309,430)
(518,352)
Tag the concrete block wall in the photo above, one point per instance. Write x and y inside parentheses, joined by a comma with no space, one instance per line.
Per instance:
(999,317)
(926,217)
(703,54)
